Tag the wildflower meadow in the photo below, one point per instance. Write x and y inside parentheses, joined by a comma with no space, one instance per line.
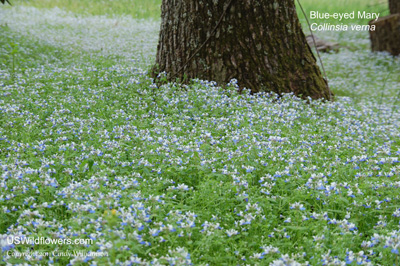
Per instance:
(99,165)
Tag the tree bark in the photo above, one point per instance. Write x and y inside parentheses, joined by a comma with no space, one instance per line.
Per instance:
(394,6)
(258,42)
(386,36)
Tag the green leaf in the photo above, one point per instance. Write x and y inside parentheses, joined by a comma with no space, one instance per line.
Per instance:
(90,163)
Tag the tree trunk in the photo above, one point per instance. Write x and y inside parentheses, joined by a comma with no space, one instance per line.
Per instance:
(258,42)
(394,6)
(386,36)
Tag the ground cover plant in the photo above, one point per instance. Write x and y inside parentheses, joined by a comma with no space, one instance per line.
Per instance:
(193,174)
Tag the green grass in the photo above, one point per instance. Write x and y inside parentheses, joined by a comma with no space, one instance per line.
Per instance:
(135,8)
(343,6)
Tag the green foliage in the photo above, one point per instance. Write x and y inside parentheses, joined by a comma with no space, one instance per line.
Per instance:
(90,146)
